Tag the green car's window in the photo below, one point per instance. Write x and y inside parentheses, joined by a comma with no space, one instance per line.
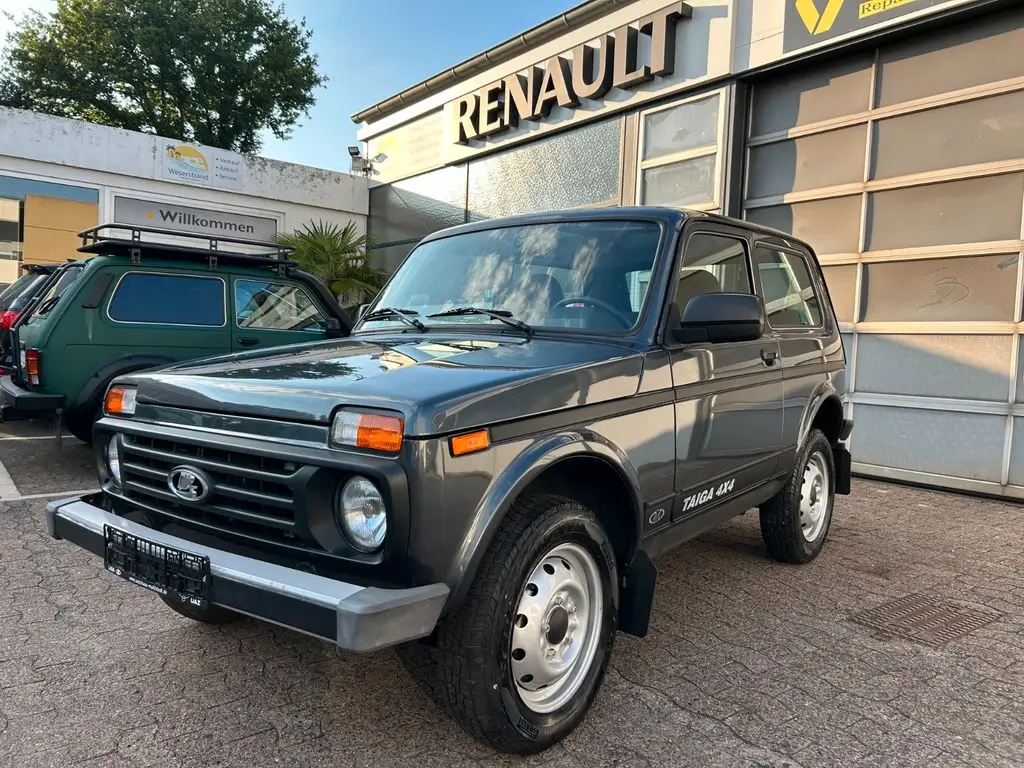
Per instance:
(269,305)
(587,275)
(152,298)
(56,291)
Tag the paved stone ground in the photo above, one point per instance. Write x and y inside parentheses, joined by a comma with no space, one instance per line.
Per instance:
(749,663)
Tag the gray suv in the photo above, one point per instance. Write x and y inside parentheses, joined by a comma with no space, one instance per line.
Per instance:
(530,410)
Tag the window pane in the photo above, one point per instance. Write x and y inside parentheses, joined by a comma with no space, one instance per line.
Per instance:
(1017,453)
(983,51)
(789,296)
(972,288)
(967,366)
(712,264)
(49,302)
(820,93)
(275,306)
(418,206)
(842,288)
(821,160)
(918,439)
(690,182)
(830,226)
(171,299)
(569,170)
(981,131)
(687,126)
(970,211)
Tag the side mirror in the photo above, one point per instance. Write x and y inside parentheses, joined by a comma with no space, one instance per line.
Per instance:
(721,317)
(333,328)
(362,311)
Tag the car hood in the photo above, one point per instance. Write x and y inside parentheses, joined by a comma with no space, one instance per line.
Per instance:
(439,383)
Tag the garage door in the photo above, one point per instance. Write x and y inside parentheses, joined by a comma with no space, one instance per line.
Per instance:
(904,167)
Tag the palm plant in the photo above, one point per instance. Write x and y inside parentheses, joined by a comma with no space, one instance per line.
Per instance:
(338,256)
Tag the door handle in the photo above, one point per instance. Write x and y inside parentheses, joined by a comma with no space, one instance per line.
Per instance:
(769,356)
(247,341)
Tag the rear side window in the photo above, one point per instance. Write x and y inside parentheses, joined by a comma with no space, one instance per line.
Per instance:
(789,297)
(168,300)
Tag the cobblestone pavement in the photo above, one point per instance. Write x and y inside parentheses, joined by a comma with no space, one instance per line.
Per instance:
(749,662)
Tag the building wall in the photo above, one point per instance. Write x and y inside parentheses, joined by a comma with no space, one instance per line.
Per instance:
(64,176)
(904,166)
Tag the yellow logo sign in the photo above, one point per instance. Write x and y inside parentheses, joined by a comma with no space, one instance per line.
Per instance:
(818,22)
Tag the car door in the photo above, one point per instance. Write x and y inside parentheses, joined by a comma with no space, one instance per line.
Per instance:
(796,320)
(728,396)
(271,311)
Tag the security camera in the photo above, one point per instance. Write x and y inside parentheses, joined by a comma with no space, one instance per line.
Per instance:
(354,151)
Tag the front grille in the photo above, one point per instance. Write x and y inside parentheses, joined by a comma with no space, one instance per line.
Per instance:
(252,495)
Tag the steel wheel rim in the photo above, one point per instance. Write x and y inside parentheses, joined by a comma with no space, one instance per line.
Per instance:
(556,628)
(814,496)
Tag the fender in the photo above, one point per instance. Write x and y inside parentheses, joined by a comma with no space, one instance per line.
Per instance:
(825,391)
(510,483)
(96,385)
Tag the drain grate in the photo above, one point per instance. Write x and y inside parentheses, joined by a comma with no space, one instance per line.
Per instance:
(924,619)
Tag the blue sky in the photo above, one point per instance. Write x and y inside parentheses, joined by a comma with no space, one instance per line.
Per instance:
(371,51)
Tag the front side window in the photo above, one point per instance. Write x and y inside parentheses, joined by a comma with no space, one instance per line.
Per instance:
(587,275)
(275,306)
(168,300)
(712,263)
(789,297)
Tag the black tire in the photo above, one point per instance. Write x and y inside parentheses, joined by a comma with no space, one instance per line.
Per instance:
(211,614)
(781,527)
(80,423)
(470,671)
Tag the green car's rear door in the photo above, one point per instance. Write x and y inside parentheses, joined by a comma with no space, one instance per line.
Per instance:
(271,311)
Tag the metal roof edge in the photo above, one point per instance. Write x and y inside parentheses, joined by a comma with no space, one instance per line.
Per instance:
(572,19)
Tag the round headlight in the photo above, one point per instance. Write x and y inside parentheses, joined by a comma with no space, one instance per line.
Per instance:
(362,515)
(114,458)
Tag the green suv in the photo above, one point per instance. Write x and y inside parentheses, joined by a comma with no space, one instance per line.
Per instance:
(147,297)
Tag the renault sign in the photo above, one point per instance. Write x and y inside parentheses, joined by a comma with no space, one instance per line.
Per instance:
(196,221)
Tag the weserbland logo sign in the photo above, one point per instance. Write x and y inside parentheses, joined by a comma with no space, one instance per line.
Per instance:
(199,221)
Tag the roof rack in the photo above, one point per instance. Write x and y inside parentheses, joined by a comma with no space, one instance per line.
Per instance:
(98,240)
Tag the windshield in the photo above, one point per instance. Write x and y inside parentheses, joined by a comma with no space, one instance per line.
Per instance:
(588,275)
(18,302)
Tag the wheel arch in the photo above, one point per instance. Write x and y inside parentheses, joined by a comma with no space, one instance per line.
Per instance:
(556,464)
(95,387)
(824,412)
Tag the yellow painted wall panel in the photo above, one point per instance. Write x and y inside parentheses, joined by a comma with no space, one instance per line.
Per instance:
(52,226)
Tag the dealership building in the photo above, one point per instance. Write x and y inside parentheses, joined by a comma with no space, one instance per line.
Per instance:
(888,133)
(60,176)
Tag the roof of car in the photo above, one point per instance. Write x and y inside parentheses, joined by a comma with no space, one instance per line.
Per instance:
(665,214)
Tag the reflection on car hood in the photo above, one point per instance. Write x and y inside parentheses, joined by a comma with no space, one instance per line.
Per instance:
(440,383)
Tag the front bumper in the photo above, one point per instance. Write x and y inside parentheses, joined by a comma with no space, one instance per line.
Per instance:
(17,400)
(353,617)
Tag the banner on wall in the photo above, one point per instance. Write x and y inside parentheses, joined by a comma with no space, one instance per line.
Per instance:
(198,164)
(196,221)
(812,21)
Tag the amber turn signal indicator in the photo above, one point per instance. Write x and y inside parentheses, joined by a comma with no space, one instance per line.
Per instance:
(470,443)
(120,401)
(374,431)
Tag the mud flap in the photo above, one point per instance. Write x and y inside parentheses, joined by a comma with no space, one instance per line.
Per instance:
(637,596)
(844,462)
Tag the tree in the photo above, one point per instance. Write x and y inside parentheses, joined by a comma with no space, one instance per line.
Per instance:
(215,72)
(338,256)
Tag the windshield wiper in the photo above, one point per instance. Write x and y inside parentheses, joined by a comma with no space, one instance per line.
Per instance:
(498,314)
(400,314)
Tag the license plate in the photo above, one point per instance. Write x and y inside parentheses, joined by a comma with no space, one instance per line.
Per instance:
(164,570)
